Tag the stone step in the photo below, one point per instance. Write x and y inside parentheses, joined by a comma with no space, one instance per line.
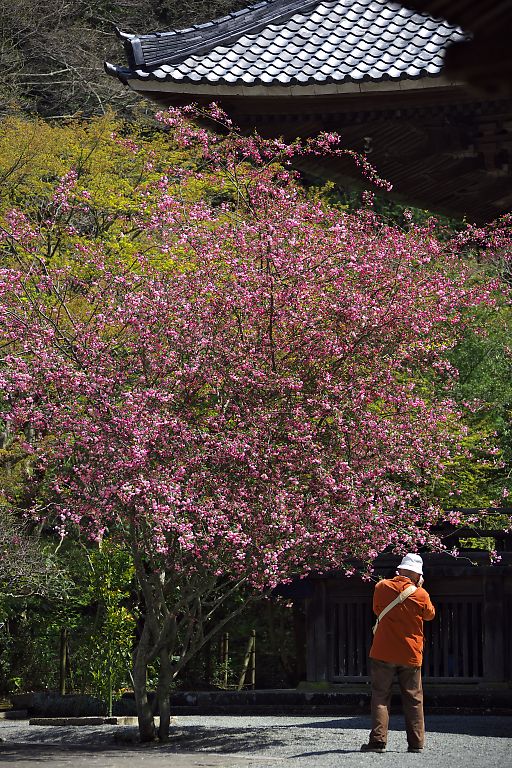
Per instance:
(124,720)
(354,699)
(13,714)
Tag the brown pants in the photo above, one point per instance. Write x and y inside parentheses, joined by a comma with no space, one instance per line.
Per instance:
(409,680)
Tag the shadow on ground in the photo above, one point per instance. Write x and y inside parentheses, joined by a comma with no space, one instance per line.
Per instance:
(192,738)
(306,738)
(227,740)
(471,725)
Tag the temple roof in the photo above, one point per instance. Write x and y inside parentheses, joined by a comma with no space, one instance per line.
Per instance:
(375,71)
(288,42)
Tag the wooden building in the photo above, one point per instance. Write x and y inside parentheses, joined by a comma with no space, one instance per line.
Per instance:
(373,70)
(469,641)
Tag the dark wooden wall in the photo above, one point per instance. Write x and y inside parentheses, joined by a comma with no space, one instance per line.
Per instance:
(468,641)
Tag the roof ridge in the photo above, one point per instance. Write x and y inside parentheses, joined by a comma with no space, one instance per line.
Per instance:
(259,16)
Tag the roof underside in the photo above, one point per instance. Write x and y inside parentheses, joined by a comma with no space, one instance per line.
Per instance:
(286,42)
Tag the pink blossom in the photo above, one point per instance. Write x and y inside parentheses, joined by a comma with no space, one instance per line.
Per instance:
(258,406)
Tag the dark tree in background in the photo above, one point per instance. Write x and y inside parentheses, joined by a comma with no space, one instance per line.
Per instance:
(52,51)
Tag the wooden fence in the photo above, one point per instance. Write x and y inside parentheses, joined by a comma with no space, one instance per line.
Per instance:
(453,642)
(470,639)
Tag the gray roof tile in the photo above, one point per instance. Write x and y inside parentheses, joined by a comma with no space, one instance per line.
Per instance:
(288,41)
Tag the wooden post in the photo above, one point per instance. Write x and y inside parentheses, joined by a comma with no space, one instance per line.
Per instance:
(69,668)
(252,664)
(63,660)
(299,636)
(207,660)
(493,626)
(224,657)
(109,692)
(249,663)
(317,658)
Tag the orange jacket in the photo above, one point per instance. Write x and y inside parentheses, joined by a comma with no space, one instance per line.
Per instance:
(399,636)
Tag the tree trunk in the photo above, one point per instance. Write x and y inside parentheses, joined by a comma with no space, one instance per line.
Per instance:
(163,694)
(144,710)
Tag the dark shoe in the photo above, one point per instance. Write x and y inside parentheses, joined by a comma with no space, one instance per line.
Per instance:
(374,746)
(415,749)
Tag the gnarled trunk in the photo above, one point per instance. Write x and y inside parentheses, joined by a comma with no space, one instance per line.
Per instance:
(163,695)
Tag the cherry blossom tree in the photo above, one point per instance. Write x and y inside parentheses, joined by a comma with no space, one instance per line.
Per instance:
(259,391)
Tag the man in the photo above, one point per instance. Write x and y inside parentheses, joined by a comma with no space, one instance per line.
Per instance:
(398,648)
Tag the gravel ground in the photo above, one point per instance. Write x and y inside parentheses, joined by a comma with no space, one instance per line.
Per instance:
(454,741)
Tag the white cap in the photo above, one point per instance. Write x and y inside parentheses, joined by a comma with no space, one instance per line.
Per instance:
(413,563)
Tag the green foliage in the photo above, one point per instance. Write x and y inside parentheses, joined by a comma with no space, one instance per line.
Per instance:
(30,642)
(479,475)
(389,210)
(104,659)
(112,169)
(97,616)
(35,155)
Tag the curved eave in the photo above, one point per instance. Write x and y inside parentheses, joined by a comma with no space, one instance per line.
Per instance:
(123,74)
(216,90)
